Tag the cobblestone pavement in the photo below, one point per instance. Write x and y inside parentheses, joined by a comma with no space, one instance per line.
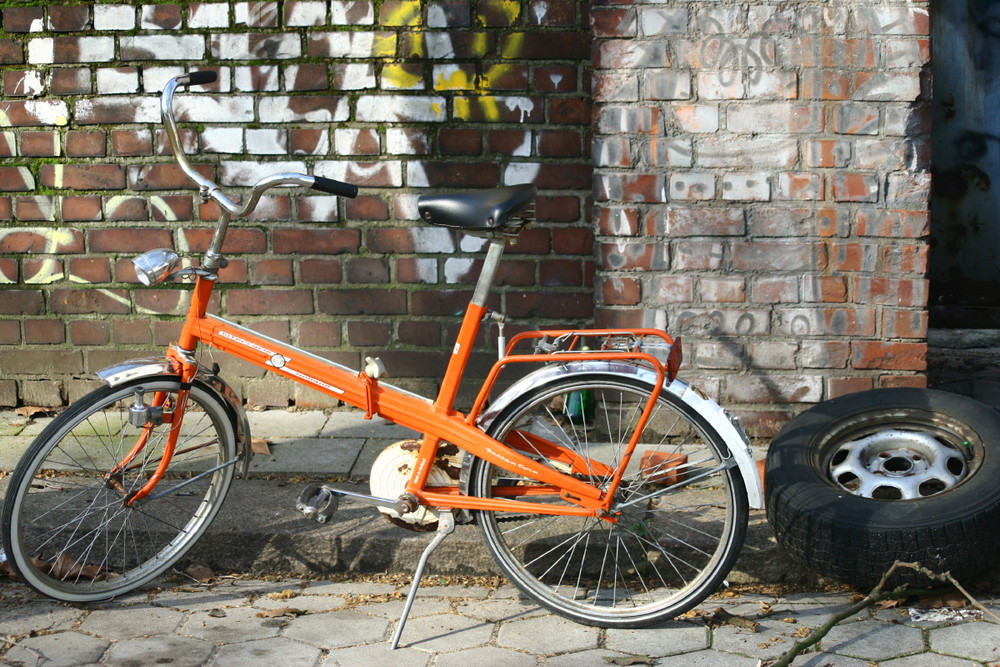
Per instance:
(293,622)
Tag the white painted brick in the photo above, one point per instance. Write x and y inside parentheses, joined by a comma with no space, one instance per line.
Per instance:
(355,76)
(306,14)
(155,78)
(30,85)
(257,14)
(267,142)
(162,47)
(247,173)
(347,44)
(260,79)
(253,47)
(691,185)
(284,109)
(222,140)
(521,172)
(432,240)
(696,118)
(209,15)
(403,108)
(344,140)
(117,81)
(41,51)
(147,20)
(114,17)
(321,147)
(405,141)
(138,109)
(664,21)
(404,205)
(390,171)
(352,13)
(746,187)
(214,109)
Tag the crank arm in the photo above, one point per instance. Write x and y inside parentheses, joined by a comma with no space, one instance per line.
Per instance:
(403,505)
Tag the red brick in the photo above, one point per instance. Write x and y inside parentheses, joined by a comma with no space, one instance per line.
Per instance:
(366,207)
(319,334)
(568,111)
(368,334)
(86,143)
(90,269)
(893,223)
(362,302)
(562,143)
(272,272)
(320,271)
(889,356)
(917,381)
(555,46)
(126,208)
(424,334)
(22,302)
(315,241)
(11,51)
(81,208)
(836,387)
(38,241)
(367,270)
(10,332)
(134,332)
(160,301)
(80,177)
(128,239)
(904,324)
(164,17)
(39,144)
(269,302)
(70,81)
(619,291)
(172,208)
(102,301)
(131,143)
(21,19)
(557,209)
(16,179)
(555,78)
(68,19)
(239,240)
(44,332)
(164,177)
(45,270)
(89,332)
(559,306)
(35,208)
(613,21)
(459,141)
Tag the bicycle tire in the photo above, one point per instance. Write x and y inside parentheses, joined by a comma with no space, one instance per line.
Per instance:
(662,556)
(67,531)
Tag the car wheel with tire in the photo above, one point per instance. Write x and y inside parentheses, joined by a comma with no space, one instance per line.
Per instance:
(858,482)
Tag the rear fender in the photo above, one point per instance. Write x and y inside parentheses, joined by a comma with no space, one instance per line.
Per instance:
(720,420)
(135,369)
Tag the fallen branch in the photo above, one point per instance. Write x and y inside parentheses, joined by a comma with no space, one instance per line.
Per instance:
(877,594)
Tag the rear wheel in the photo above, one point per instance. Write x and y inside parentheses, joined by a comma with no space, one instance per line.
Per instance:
(66,526)
(683,513)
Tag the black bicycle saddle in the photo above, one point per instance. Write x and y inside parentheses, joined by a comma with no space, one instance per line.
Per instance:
(478,210)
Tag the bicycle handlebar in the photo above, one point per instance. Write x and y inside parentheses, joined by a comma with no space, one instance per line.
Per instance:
(209,189)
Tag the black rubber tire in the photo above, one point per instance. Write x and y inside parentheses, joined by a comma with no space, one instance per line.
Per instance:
(854,539)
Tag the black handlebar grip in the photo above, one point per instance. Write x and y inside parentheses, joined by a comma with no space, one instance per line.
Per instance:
(333,187)
(201,78)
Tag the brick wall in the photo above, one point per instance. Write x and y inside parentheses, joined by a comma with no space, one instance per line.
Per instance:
(762,188)
(759,175)
(397,96)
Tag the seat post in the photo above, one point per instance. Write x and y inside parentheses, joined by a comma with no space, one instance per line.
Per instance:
(470,327)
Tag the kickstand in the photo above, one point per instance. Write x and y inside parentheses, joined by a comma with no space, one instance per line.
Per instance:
(446,524)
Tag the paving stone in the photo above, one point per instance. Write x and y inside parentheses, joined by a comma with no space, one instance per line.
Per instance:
(307,603)
(829,660)
(278,423)
(428,589)
(376,654)
(22,618)
(238,624)
(975,640)
(772,639)
(336,629)
(486,656)
(348,588)
(354,425)
(124,622)
(598,656)
(548,635)
(421,607)
(928,660)
(709,658)
(302,455)
(60,649)
(444,633)
(873,640)
(680,638)
(161,649)
(495,611)
(277,651)
(197,600)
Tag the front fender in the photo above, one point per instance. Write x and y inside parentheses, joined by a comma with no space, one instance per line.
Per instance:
(135,369)
(721,421)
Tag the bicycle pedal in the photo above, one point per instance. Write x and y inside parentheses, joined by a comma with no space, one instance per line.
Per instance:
(317,502)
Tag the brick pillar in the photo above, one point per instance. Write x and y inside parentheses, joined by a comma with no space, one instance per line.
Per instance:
(762,188)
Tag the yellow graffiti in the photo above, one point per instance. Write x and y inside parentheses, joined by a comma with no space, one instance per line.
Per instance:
(398,76)
(384,45)
(511,9)
(407,13)
(453,77)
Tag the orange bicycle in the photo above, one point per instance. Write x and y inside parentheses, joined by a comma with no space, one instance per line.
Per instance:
(606,489)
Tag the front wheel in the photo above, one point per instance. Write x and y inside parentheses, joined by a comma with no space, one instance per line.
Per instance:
(66,526)
(683,507)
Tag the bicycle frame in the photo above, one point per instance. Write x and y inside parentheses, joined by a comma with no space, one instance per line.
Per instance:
(437,420)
